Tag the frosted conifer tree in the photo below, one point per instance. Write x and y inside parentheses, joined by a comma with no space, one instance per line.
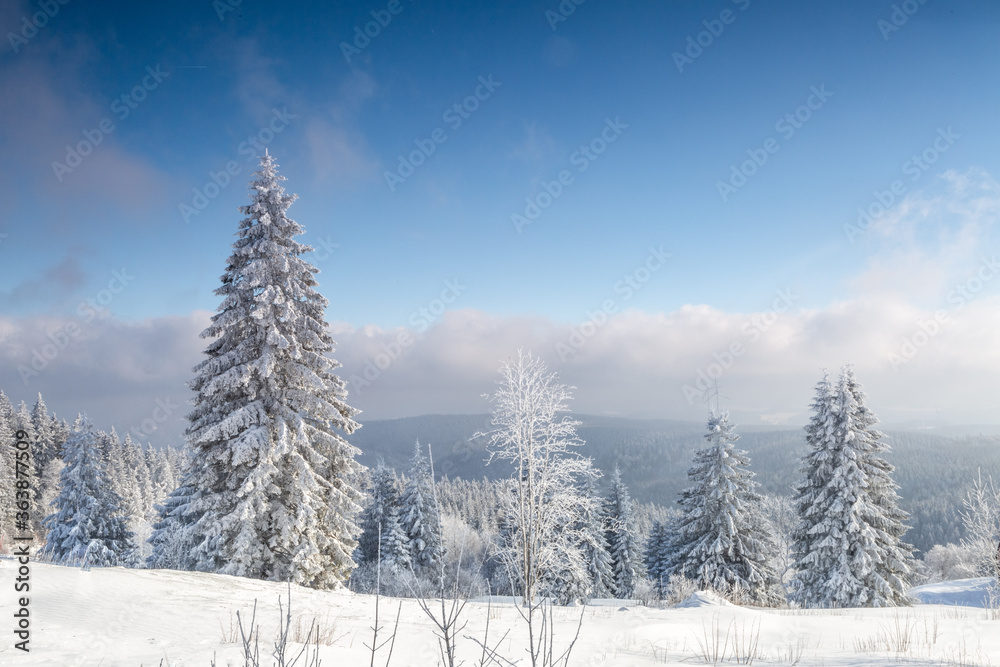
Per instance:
(566,582)
(144,484)
(893,567)
(50,481)
(847,545)
(656,556)
(395,543)
(123,472)
(382,499)
(166,467)
(721,540)
(47,452)
(45,448)
(19,419)
(419,515)
(87,523)
(620,536)
(8,496)
(6,409)
(170,506)
(170,539)
(593,544)
(130,469)
(22,421)
(274,482)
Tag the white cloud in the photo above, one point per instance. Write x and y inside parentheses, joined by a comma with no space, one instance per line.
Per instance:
(924,344)
(934,237)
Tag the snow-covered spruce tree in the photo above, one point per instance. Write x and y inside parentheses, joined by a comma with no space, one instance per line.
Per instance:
(87,524)
(820,545)
(274,482)
(22,421)
(50,481)
(656,557)
(144,482)
(620,536)
(8,489)
(395,543)
(847,546)
(382,499)
(45,446)
(721,539)
(170,539)
(567,584)
(419,515)
(6,409)
(133,480)
(542,501)
(893,569)
(595,548)
(166,468)
(171,516)
(123,472)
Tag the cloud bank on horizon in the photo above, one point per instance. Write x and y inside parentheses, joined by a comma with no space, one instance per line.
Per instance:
(919,328)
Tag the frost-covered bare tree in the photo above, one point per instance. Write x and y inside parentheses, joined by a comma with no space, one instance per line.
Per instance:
(781,520)
(981,517)
(545,499)
(544,502)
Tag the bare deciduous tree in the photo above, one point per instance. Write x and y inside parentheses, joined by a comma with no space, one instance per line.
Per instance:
(982,525)
(543,537)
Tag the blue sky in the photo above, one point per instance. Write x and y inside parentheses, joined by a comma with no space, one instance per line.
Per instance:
(890,94)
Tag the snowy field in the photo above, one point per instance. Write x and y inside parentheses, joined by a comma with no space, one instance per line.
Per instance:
(117,617)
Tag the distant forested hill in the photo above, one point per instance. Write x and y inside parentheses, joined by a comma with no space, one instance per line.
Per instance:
(933,471)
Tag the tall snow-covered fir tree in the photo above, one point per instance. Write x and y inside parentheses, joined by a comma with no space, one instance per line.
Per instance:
(893,570)
(87,523)
(721,539)
(620,536)
(847,546)
(418,514)
(274,483)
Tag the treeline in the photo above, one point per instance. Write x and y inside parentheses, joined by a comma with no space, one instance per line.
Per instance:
(724,532)
(100,483)
(934,472)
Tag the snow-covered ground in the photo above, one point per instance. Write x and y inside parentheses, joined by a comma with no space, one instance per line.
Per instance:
(964,592)
(117,617)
